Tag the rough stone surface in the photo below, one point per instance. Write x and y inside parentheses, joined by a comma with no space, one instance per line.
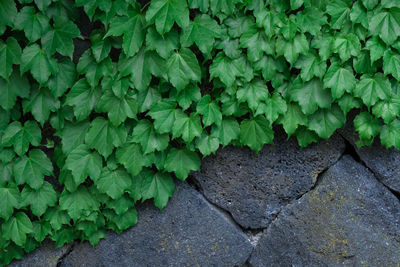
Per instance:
(348,219)
(254,187)
(385,163)
(44,256)
(188,232)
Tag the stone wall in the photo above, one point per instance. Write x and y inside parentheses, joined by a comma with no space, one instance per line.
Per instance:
(329,204)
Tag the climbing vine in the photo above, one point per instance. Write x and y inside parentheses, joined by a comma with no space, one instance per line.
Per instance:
(104,102)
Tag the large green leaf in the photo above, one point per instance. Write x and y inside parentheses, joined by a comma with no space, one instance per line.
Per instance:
(164,114)
(34,24)
(16,85)
(40,64)
(340,80)
(39,199)
(83,163)
(10,54)
(11,199)
(131,157)
(256,132)
(210,111)
(390,134)
(254,93)
(202,31)
(181,162)
(59,38)
(366,125)
(17,227)
(114,182)
(372,88)
(183,68)
(386,24)
(132,28)
(226,132)
(325,121)
(145,134)
(41,103)
(32,169)
(104,137)
(165,12)
(187,127)
(20,136)
(157,185)
(310,95)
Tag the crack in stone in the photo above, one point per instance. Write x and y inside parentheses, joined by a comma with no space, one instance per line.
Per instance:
(351,151)
(61,259)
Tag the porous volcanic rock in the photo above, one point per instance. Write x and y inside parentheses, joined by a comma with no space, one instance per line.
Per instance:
(254,187)
(44,256)
(348,219)
(188,232)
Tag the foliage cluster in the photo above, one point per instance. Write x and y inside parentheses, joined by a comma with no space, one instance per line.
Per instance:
(84,135)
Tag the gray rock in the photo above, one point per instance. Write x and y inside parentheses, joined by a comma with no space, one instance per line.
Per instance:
(254,187)
(188,232)
(385,163)
(44,256)
(349,219)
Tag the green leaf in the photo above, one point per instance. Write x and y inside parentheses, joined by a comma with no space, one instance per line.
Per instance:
(187,127)
(181,162)
(41,103)
(20,136)
(293,118)
(358,14)
(118,109)
(347,46)
(101,46)
(8,12)
(207,144)
(388,109)
(38,62)
(83,98)
(65,78)
(311,20)
(256,132)
(93,70)
(376,48)
(305,136)
(40,199)
(10,54)
(17,227)
(348,102)
(78,202)
(163,44)
(256,42)
(293,48)
(157,185)
(390,134)
(32,169)
(83,163)
(254,93)
(310,95)
(386,24)
(372,88)
(132,28)
(165,12)
(150,141)
(311,66)
(57,218)
(273,107)
(202,31)
(34,24)
(366,126)
(187,96)
(11,200)
(210,111)
(227,131)
(148,98)
(391,64)
(163,115)
(325,121)
(17,85)
(103,136)
(114,183)
(131,157)
(72,135)
(59,38)
(339,11)
(183,67)
(340,80)
(225,69)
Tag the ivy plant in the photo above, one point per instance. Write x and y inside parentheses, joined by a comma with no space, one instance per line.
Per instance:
(104,103)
